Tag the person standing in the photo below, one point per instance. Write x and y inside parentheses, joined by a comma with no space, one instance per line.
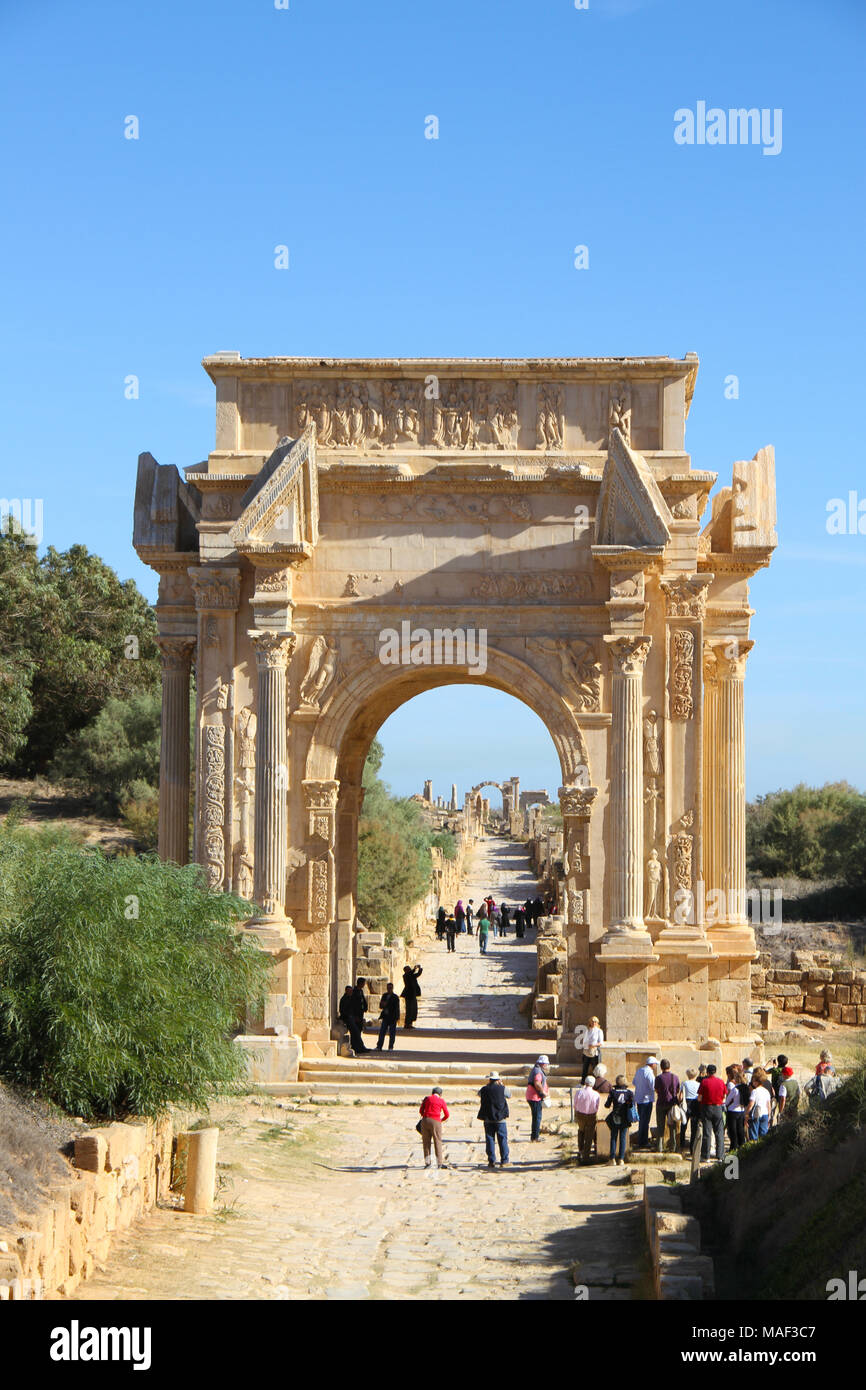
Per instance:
(586,1103)
(667,1089)
(711,1096)
(389,1014)
(496,919)
(433,1112)
(735,1109)
(441,918)
(493,1110)
(537,911)
(644,1083)
(470,916)
(504,920)
(451,930)
(537,1091)
(410,992)
(520,922)
(460,915)
(825,1065)
(591,1047)
(786,1088)
(692,1107)
(620,1102)
(483,925)
(357,1008)
(759,1106)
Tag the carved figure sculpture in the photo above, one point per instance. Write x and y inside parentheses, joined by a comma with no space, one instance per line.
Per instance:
(321,669)
(653,892)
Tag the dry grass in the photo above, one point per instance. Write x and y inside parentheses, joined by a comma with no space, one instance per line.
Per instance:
(33,1137)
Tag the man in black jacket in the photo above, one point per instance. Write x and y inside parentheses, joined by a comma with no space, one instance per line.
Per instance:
(389,1012)
(354,1019)
(494,1112)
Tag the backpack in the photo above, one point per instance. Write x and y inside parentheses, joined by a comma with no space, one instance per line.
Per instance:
(621,1112)
(745,1091)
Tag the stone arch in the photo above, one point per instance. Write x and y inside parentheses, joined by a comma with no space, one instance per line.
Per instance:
(366,698)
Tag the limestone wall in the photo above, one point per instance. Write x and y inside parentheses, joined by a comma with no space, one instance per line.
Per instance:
(117,1175)
(815,983)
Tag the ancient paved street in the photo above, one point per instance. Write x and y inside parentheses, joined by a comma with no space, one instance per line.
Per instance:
(331,1200)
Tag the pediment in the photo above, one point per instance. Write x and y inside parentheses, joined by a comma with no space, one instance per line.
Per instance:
(281,507)
(631,510)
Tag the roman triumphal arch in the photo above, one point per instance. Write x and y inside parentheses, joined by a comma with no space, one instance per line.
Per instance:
(367,529)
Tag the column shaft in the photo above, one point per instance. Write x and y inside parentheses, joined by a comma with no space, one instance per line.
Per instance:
(626,784)
(271,821)
(725,764)
(174,749)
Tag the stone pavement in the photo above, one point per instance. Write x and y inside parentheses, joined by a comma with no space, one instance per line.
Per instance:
(330,1200)
(333,1202)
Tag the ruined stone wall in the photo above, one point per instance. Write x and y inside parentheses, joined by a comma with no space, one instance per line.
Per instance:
(815,983)
(119,1173)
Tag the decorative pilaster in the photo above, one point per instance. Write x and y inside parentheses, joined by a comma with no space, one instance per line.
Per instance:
(628,657)
(273,650)
(176,654)
(725,775)
(576,805)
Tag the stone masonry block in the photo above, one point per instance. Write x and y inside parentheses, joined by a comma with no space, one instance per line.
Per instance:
(90,1152)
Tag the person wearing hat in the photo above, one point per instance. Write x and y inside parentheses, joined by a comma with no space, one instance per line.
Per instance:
(644,1096)
(586,1103)
(493,1110)
(433,1111)
(537,1092)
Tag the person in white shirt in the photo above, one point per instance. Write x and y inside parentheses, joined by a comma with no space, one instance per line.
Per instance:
(644,1098)
(758,1108)
(691,1106)
(586,1103)
(592,1041)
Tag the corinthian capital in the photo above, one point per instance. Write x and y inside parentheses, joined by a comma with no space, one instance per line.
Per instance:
(725,658)
(273,649)
(175,652)
(628,654)
(577,800)
(686,595)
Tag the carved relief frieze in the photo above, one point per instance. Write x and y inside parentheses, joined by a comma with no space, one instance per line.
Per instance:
(216,589)
(398,506)
(682,664)
(215,804)
(529,587)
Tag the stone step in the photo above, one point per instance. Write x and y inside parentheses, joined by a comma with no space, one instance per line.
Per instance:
(410,1077)
(405,1094)
(386,1066)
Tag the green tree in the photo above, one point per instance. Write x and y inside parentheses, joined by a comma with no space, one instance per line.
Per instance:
(72,635)
(117,748)
(394,862)
(801,831)
(120,979)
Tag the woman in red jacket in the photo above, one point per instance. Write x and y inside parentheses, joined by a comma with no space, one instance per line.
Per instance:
(433,1111)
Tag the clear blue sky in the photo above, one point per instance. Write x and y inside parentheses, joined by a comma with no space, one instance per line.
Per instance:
(305,126)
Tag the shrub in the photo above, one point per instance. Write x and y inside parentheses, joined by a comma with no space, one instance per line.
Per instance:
(446,841)
(120,980)
(120,747)
(139,811)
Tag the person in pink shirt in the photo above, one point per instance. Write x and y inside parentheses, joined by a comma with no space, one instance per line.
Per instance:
(586,1103)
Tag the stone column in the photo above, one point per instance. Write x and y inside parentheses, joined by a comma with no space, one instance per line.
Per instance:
(725,773)
(273,650)
(576,804)
(176,654)
(628,655)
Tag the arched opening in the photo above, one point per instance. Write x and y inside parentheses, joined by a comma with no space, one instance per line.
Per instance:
(339,749)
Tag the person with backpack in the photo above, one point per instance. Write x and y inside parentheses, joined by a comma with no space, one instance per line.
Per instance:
(623,1113)
(493,1110)
(433,1111)
(786,1088)
(537,1092)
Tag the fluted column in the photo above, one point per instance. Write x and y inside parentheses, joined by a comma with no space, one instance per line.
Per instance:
(273,650)
(725,774)
(628,656)
(176,654)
